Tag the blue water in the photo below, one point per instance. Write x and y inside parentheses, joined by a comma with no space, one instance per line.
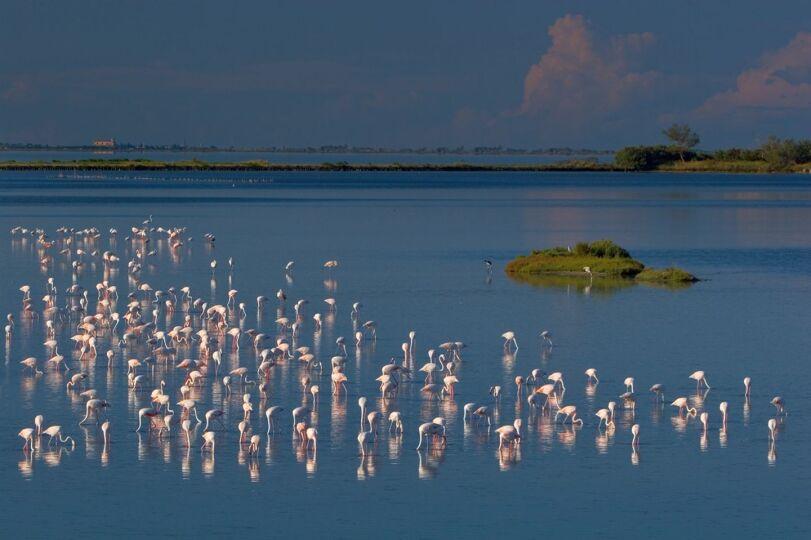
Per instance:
(410,248)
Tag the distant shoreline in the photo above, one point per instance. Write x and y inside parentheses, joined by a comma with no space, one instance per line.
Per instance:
(265,166)
(562,151)
(709,166)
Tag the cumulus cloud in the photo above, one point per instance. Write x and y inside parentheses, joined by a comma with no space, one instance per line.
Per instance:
(780,82)
(582,77)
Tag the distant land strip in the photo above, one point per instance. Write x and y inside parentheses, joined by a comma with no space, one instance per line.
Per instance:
(697,166)
(262,165)
(114,146)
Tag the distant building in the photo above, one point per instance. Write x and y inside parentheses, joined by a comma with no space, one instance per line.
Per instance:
(104,143)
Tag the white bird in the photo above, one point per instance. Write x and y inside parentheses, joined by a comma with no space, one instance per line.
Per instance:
(509,337)
(699,377)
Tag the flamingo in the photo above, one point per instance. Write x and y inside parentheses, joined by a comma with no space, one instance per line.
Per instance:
(495,391)
(509,337)
(55,432)
(557,378)
(723,408)
(244,429)
(772,423)
(75,380)
(105,432)
(299,412)
(365,438)
(659,390)
(547,337)
(468,411)
(253,447)
(270,414)
(635,433)
(699,377)
(148,412)
(569,411)
(434,390)
(339,381)
(592,375)
(362,405)
(31,363)
(681,403)
(186,427)
(509,435)
(208,440)
(27,435)
(94,407)
(430,428)
(547,390)
(629,384)
(519,383)
(746,386)
(451,380)
(605,418)
(312,437)
(484,412)
(214,414)
(396,421)
(777,401)
(534,376)
(189,406)
(611,408)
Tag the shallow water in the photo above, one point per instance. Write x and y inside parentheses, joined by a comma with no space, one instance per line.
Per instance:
(410,248)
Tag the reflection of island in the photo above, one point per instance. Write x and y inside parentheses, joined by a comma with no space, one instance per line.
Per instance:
(580,284)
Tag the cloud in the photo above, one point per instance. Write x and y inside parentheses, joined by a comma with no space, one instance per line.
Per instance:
(582,78)
(780,83)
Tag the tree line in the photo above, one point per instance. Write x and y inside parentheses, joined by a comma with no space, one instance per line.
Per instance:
(779,154)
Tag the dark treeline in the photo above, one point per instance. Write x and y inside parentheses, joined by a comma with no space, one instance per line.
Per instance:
(773,155)
(324,149)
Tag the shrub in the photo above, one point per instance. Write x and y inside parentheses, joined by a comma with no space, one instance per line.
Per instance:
(608,249)
(581,248)
(646,158)
(783,153)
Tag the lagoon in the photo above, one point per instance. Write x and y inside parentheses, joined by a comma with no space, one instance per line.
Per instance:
(411,247)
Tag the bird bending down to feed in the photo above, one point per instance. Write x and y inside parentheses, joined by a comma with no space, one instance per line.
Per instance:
(681,403)
(699,377)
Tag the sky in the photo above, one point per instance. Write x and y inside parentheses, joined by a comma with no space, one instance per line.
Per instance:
(533,73)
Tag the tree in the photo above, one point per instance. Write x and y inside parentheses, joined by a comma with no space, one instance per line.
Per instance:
(682,138)
(783,153)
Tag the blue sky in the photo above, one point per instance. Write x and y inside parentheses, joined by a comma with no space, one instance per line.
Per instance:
(598,73)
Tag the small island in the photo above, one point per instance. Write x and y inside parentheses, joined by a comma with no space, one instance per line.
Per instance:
(602,258)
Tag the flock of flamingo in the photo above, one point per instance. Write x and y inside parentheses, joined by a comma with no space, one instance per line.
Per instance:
(178,331)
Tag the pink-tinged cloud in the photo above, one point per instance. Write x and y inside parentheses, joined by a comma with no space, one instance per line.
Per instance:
(780,82)
(581,77)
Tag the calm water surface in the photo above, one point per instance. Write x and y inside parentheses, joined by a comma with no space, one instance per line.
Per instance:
(411,248)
